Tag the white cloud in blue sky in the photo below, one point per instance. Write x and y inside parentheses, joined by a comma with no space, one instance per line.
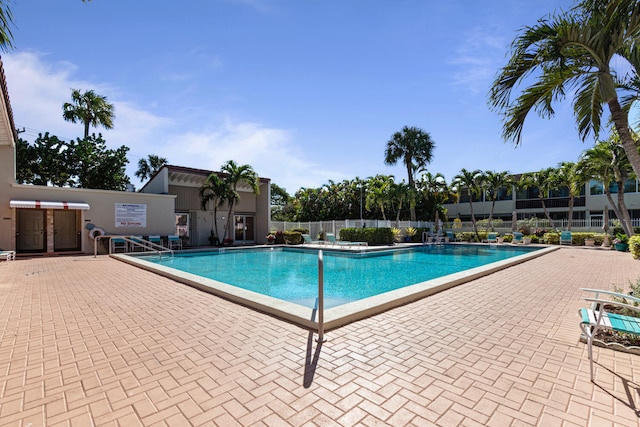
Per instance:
(303,91)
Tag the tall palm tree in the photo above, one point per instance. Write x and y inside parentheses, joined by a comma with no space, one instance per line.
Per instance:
(471,182)
(542,181)
(573,53)
(149,166)
(399,195)
(414,147)
(235,175)
(494,182)
(214,193)
(569,176)
(90,109)
(608,163)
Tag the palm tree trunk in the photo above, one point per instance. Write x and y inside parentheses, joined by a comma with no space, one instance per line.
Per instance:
(412,187)
(493,205)
(570,221)
(621,122)
(473,219)
(86,130)
(616,210)
(625,218)
(546,212)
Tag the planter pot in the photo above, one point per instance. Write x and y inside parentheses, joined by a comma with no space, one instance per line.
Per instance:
(622,247)
(526,241)
(589,242)
(500,239)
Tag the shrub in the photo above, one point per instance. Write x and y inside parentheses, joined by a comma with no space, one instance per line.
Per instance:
(293,237)
(552,238)
(373,236)
(634,248)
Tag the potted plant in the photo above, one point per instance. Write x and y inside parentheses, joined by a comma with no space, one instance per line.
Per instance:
(213,239)
(271,238)
(228,241)
(621,242)
(409,233)
(396,234)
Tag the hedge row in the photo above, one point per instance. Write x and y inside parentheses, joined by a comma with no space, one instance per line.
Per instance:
(373,236)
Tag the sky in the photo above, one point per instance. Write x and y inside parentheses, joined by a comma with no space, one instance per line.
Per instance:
(304,91)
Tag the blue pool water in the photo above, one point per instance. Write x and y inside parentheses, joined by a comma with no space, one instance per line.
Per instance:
(292,274)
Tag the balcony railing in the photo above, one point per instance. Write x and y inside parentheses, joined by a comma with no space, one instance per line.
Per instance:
(556,202)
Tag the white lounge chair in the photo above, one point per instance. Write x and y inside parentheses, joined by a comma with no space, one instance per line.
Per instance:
(8,255)
(596,317)
(306,240)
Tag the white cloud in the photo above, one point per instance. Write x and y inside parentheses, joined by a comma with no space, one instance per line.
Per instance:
(38,90)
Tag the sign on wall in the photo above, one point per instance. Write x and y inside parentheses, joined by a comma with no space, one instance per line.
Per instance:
(131,215)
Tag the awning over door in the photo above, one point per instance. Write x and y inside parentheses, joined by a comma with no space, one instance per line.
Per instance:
(38,204)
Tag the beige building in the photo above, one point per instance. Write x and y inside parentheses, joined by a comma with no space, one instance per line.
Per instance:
(248,223)
(42,220)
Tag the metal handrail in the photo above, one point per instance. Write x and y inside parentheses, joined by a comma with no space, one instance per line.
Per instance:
(320,298)
(137,241)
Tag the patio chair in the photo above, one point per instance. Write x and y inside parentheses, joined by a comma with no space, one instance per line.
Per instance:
(155,240)
(137,248)
(599,316)
(517,237)
(119,244)
(565,238)
(306,240)
(331,239)
(174,242)
(492,237)
(451,236)
(8,255)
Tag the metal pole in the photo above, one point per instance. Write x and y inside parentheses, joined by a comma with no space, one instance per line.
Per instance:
(320,298)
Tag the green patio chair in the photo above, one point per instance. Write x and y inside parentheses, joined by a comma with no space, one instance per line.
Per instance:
(492,237)
(600,316)
(565,238)
(517,237)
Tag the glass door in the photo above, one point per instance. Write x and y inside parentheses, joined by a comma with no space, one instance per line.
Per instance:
(244,229)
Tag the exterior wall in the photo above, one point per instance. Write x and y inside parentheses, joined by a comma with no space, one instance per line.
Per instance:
(593,203)
(160,211)
(159,184)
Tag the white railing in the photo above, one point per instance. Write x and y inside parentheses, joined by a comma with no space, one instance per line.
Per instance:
(316,227)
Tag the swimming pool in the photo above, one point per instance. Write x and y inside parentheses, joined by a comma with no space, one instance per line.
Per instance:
(283,281)
(292,274)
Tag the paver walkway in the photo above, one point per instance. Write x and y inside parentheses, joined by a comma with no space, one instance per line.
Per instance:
(92,341)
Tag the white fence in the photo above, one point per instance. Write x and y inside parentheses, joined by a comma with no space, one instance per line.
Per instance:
(316,227)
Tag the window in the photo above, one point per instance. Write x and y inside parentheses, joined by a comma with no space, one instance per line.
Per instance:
(182,224)
(596,187)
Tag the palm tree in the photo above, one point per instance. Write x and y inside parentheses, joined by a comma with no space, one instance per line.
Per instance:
(494,182)
(435,190)
(568,175)
(471,181)
(414,147)
(149,166)
(213,192)
(399,194)
(90,109)
(234,176)
(379,193)
(573,53)
(6,22)
(608,163)
(542,181)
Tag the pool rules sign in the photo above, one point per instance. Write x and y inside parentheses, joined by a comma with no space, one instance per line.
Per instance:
(131,215)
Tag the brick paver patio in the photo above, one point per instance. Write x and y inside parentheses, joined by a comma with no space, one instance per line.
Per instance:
(92,341)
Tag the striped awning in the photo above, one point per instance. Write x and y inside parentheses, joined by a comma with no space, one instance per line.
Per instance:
(39,204)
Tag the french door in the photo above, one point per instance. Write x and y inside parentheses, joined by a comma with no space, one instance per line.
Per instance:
(244,229)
